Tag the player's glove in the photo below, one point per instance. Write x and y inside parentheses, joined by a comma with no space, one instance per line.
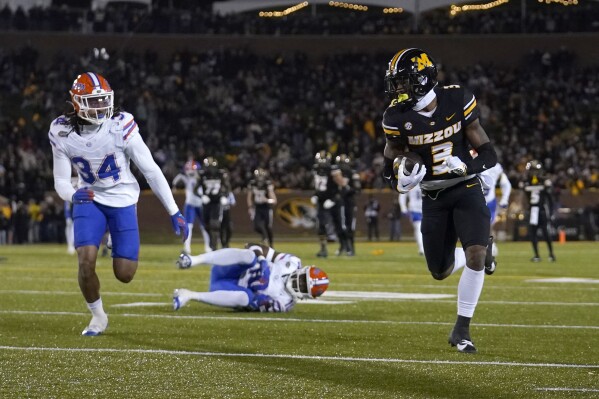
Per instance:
(224,201)
(503,204)
(83,196)
(314,200)
(259,275)
(252,212)
(407,182)
(328,204)
(179,224)
(455,165)
(205,199)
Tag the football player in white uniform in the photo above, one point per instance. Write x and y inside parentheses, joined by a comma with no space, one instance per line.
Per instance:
(100,146)
(412,202)
(491,178)
(193,202)
(256,279)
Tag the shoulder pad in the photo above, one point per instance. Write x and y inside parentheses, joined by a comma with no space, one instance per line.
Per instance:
(60,127)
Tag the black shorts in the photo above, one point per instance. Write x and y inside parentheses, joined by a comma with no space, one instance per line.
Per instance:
(458,212)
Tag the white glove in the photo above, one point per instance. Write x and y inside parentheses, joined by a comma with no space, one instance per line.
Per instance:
(270,201)
(252,213)
(205,199)
(224,201)
(407,182)
(503,204)
(455,165)
(328,204)
(314,200)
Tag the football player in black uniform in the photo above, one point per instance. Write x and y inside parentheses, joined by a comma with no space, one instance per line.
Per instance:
(348,181)
(261,199)
(440,124)
(540,200)
(326,199)
(214,183)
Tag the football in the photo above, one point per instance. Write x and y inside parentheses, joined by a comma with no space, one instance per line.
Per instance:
(412,158)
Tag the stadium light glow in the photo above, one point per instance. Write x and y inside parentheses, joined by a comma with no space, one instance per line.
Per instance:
(562,2)
(341,4)
(287,11)
(393,10)
(475,7)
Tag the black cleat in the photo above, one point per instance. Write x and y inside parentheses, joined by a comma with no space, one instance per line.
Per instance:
(490,263)
(463,344)
(322,253)
(535,259)
(552,258)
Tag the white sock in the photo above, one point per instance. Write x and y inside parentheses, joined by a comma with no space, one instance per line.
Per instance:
(469,289)
(224,257)
(494,250)
(459,259)
(96,308)
(228,299)
(187,243)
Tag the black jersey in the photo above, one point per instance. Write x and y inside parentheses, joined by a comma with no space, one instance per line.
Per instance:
(324,185)
(259,189)
(352,178)
(214,183)
(437,137)
(538,189)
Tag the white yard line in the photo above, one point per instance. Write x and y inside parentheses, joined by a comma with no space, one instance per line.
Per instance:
(295,320)
(296,357)
(567,389)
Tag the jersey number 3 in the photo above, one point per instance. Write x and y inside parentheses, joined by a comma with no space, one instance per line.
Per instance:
(107,169)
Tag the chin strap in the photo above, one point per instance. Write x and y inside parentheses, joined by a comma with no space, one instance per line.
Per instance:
(424,101)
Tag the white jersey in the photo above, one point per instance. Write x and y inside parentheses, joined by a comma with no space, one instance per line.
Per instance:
(411,201)
(192,197)
(280,269)
(101,155)
(490,178)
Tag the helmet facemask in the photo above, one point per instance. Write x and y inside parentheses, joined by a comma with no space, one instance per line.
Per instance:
(95,108)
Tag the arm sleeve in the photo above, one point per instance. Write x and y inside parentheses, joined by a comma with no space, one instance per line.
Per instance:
(141,156)
(506,188)
(62,175)
(486,159)
(403,203)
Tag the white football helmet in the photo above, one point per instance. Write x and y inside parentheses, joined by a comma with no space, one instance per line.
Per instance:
(307,282)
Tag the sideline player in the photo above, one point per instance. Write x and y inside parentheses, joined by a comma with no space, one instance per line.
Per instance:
(441,124)
(193,202)
(256,279)
(261,198)
(100,144)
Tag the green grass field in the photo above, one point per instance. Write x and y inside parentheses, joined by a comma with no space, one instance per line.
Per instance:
(536,339)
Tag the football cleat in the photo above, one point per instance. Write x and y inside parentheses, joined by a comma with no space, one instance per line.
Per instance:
(322,253)
(184,261)
(552,258)
(180,298)
(535,259)
(96,327)
(463,344)
(490,263)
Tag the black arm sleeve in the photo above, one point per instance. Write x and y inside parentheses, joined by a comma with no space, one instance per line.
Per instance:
(388,174)
(486,159)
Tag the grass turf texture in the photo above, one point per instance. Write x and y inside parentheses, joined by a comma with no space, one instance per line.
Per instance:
(535,339)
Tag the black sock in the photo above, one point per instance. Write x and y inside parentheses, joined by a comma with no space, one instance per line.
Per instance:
(462,327)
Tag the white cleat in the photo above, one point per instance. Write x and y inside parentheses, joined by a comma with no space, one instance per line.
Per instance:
(96,326)
(180,298)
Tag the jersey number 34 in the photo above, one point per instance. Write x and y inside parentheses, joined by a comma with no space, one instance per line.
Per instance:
(107,169)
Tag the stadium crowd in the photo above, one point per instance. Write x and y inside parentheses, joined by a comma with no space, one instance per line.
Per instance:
(198,18)
(277,111)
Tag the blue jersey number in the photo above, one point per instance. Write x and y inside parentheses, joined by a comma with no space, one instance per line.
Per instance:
(108,169)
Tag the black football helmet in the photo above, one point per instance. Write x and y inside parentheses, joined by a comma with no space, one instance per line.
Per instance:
(261,174)
(210,162)
(534,166)
(323,158)
(342,159)
(412,73)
